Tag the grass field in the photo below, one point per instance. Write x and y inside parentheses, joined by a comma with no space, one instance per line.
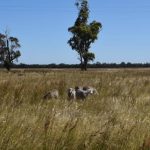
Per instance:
(116,119)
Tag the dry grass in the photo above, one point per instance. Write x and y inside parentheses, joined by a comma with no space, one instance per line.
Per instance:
(117,119)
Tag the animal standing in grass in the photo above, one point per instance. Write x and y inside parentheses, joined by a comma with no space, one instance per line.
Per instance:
(81,92)
(71,94)
(91,89)
(53,94)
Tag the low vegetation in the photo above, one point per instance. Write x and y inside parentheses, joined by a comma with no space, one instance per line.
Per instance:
(116,119)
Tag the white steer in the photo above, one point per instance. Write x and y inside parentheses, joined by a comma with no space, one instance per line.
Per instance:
(71,93)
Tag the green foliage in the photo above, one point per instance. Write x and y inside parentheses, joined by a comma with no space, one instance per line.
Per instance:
(8,50)
(89,56)
(83,34)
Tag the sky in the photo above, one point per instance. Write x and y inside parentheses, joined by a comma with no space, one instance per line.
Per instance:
(42,29)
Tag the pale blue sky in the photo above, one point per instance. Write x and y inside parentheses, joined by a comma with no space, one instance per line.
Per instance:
(41,26)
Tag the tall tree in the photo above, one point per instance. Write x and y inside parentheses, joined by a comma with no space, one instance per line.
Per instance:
(8,50)
(84,34)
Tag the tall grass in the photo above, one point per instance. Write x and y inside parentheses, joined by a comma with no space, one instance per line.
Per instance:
(116,119)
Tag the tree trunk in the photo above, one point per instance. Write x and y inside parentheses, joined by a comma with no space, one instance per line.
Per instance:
(7,66)
(85,65)
(81,62)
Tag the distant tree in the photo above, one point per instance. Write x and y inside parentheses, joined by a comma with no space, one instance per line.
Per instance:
(83,34)
(8,50)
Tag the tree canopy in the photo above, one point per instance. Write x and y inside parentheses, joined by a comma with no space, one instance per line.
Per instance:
(8,50)
(84,34)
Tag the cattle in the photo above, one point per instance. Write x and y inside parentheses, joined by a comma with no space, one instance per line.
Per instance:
(78,87)
(71,93)
(82,94)
(53,94)
(91,89)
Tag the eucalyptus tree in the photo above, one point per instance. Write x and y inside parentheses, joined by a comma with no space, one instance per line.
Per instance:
(84,34)
(9,50)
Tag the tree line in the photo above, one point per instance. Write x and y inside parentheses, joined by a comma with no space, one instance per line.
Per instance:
(77,66)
